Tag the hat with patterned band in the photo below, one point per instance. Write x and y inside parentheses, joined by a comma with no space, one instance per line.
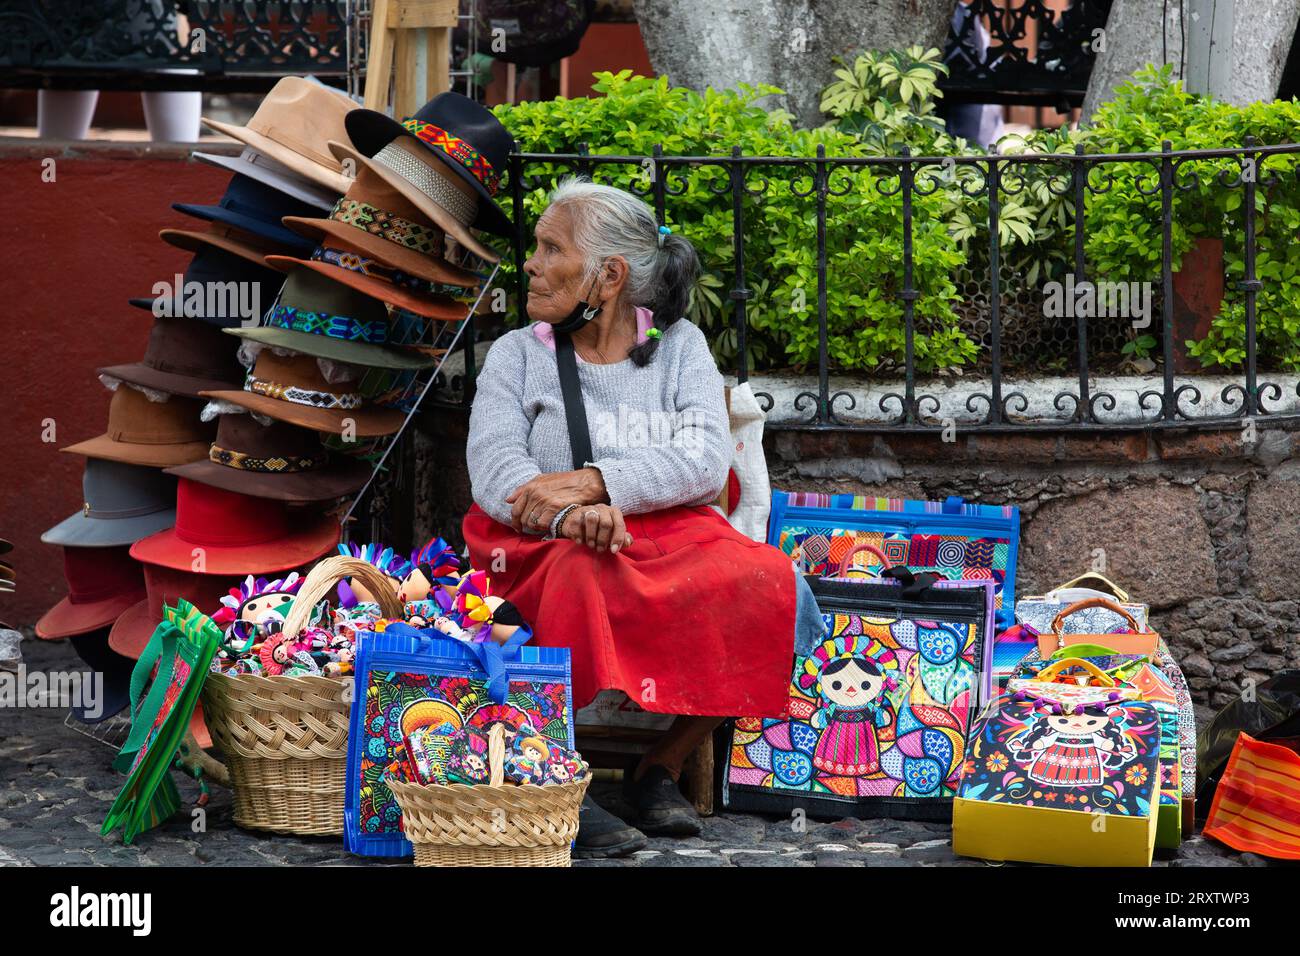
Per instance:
(183,358)
(292,125)
(328,319)
(460,133)
(340,260)
(102,584)
(384,224)
(438,192)
(291,388)
(144,432)
(273,461)
(123,503)
(256,208)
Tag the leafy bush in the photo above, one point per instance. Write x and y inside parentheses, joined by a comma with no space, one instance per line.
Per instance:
(1124,227)
(632,114)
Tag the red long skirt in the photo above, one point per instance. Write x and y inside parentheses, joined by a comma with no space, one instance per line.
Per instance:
(692,618)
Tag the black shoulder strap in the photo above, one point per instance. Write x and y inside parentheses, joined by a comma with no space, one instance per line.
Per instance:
(575,412)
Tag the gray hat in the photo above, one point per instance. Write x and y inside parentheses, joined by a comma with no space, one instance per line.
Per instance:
(123,503)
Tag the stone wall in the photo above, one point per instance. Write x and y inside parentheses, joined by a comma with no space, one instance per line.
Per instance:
(1200,525)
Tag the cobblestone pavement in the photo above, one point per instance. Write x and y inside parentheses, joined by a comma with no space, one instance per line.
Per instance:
(56,786)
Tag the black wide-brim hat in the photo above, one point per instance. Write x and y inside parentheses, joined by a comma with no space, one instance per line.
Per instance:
(115,692)
(461,133)
(256,208)
(212,266)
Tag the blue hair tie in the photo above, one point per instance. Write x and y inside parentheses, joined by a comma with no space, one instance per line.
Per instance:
(664,233)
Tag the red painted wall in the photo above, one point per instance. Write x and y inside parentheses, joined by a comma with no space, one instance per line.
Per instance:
(75,250)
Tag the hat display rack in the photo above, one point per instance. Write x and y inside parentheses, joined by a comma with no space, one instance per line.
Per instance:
(326,288)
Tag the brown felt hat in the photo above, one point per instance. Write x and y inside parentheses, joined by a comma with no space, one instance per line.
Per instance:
(347,261)
(293,125)
(144,432)
(398,235)
(273,461)
(183,357)
(238,242)
(291,388)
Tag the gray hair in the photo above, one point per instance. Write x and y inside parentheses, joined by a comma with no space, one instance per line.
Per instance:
(611,222)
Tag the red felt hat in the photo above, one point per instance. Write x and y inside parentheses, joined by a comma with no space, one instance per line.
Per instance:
(220,532)
(102,584)
(131,632)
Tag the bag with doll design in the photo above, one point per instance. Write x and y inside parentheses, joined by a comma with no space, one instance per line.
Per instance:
(1042,772)
(415,682)
(878,711)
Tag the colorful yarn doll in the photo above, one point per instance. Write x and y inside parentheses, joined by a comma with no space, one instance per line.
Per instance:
(254,610)
(351,591)
(1071,749)
(435,566)
(849,676)
(482,615)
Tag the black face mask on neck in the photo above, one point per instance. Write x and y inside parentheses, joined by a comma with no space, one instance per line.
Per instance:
(582,314)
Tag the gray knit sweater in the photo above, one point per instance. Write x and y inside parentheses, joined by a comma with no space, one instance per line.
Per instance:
(659,433)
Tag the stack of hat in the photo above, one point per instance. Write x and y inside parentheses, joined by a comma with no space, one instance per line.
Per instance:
(143,536)
(387,279)
(221,456)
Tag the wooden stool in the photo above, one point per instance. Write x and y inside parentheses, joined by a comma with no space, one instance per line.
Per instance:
(612,730)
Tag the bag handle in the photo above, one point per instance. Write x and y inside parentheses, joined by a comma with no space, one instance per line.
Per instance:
(1119,593)
(847,561)
(497,754)
(160,650)
(1052,671)
(1059,620)
(575,412)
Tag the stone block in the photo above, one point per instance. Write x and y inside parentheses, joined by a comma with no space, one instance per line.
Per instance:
(1153,538)
(1273,536)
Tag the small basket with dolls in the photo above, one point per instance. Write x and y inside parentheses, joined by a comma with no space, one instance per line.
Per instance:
(500,798)
(278,699)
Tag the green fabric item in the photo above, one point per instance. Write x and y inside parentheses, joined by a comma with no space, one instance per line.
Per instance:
(182,646)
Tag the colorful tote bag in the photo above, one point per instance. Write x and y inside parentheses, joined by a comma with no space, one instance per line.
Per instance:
(1136,678)
(949,538)
(1169,670)
(878,711)
(407,679)
(1256,806)
(1047,784)
(181,648)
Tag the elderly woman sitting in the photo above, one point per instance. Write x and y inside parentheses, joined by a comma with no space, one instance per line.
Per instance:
(601,534)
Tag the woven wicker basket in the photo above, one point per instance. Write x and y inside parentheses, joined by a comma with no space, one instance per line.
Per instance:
(492,824)
(285,739)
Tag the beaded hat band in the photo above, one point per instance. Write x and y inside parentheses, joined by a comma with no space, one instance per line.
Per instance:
(281,464)
(313,398)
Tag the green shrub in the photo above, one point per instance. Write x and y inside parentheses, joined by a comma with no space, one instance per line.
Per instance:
(632,114)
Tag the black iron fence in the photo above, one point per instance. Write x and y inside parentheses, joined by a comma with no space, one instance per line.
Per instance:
(174,44)
(1169,399)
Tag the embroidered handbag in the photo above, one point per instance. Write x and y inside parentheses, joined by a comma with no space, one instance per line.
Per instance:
(1049,782)
(878,711)
(949,538)
(407,679)
(1136,640)
(1038,611)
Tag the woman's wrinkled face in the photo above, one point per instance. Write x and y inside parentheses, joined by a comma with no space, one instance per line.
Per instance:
(555,269)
